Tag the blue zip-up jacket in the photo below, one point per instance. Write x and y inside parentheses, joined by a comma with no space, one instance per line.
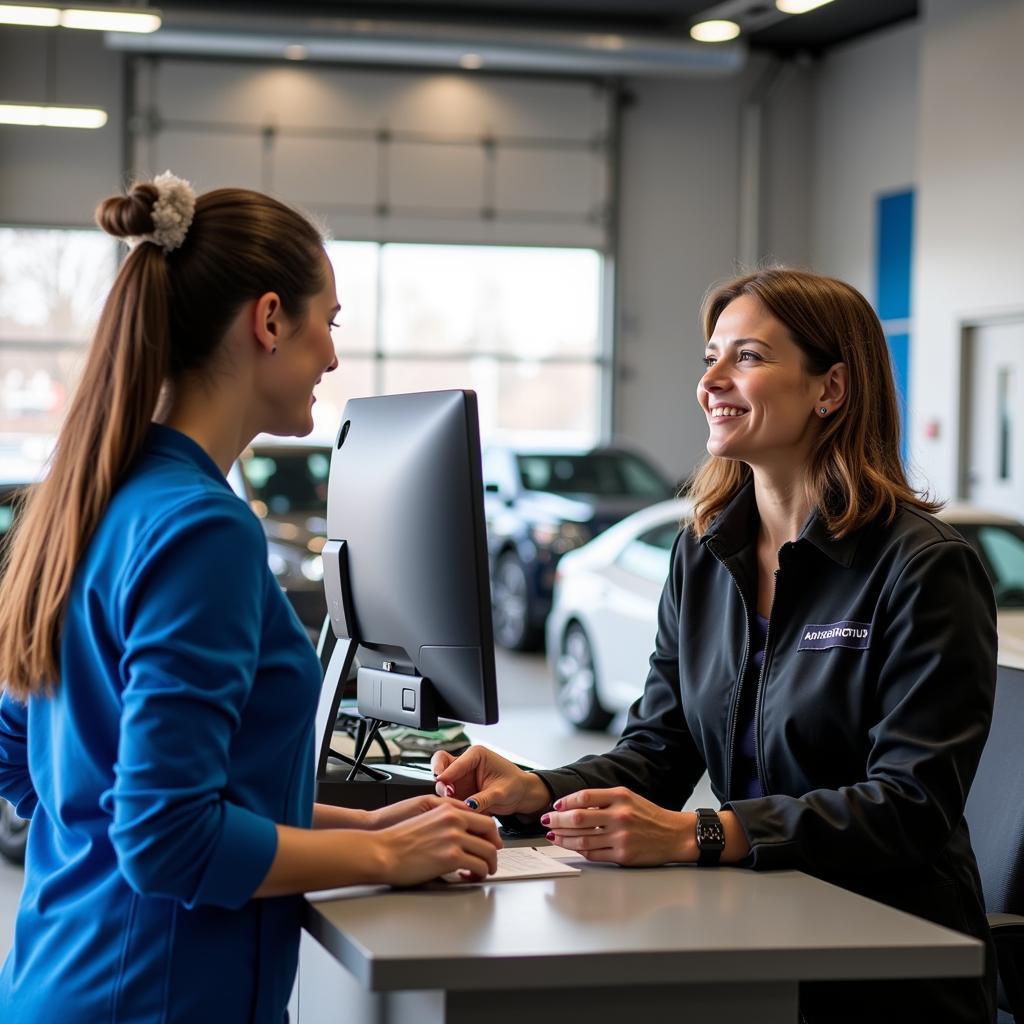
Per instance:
(179,732)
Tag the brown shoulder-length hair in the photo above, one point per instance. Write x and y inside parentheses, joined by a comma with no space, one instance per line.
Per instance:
(163,319)
(855,474)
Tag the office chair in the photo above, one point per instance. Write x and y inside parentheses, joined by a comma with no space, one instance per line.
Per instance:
(995,815)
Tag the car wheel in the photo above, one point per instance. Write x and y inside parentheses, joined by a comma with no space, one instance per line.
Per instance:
(510,605)
(13,834)
(576,680)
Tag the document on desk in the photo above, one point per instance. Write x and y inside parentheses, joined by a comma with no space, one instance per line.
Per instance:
(522,862)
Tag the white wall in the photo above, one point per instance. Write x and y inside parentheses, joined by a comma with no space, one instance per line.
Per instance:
(679,234)
(56,177)
(970,223)
(865,145)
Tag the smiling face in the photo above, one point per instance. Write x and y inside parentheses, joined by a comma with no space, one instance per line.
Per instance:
(762,406)
(304,354)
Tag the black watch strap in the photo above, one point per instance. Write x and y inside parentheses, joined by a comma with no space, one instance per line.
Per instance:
(710,837)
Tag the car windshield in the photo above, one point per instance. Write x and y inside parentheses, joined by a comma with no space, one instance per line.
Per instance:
(607,474)
(289,482)
(1002,550)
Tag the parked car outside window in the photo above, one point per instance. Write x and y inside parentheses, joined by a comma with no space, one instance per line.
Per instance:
(285,485)
(601,630)
(541,504)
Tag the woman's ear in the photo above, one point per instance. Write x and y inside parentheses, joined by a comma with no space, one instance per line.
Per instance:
(268,321)
(833,390)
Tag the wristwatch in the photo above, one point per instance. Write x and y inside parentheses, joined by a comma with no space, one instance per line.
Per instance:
(710,837)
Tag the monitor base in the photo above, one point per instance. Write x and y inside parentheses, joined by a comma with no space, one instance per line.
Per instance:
(402,782)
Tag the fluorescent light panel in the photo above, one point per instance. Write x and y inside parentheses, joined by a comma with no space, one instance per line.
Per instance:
(98,19)
(47,116)
(43,17)
(717,31)
(799,6)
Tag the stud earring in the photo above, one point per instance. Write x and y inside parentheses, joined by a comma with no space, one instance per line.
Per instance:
(823,410)
(273,350)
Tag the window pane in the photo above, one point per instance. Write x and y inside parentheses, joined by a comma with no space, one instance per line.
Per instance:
(35,384)
(513,397)
(352,379)
(53,283)
(355,275)
(530,303)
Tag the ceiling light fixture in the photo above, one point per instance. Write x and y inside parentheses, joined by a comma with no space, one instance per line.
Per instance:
(296,51)
(42,17)
(96,19)
(799,6)
(50,116)
(471,61)
(714,31)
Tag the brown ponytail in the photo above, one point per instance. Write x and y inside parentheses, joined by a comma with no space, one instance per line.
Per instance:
(164,317)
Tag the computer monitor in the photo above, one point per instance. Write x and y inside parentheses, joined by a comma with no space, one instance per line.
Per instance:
(406,579)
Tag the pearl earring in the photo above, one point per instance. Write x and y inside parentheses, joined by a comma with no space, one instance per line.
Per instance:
(823,410)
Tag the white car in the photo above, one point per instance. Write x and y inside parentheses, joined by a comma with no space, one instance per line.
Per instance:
(600,632)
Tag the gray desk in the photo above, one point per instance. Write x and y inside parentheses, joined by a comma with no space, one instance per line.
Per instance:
(729,945)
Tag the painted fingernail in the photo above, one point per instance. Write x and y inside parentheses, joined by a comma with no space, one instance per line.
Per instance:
(545,819)
(449,790)
(557,805)
(550,836)
(471,803)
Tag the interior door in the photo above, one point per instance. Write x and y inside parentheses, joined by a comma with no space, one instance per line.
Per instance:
(995,470)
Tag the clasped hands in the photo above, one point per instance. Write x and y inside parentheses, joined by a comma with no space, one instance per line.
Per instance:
(611,825)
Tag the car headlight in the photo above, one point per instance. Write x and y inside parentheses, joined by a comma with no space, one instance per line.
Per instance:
(560,537)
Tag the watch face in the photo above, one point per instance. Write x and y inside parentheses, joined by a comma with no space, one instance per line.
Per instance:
(710,833)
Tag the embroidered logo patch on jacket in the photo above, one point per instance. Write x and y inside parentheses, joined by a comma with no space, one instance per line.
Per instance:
(821,636)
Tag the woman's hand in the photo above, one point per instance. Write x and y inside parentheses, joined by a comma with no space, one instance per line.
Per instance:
(617,826)
(392,814)
(445,838)
(488,783)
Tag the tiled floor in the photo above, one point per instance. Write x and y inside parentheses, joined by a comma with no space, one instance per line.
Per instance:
(529,727)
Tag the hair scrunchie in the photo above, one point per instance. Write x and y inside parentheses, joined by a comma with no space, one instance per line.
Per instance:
(172,213)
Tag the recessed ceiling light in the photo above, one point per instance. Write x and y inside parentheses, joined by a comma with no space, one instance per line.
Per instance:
(296,51)
(471,61)
(49,116)
(714,31)
(799,6)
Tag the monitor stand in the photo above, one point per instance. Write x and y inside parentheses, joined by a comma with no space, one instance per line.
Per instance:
(344,781)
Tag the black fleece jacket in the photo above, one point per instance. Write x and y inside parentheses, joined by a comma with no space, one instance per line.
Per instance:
(871,710)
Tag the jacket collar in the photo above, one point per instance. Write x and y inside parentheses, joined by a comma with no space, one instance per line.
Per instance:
(736,526)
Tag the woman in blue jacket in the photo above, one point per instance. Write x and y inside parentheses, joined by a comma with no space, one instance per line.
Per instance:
(826,651)
(157,719)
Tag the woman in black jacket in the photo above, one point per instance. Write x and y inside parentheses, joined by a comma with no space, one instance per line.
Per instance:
(826,650)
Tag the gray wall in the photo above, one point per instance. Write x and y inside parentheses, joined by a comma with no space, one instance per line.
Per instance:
(970,257)
(680,224)
(56,177)
(865,144)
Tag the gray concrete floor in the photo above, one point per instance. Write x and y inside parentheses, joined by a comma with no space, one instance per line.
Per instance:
(529,728)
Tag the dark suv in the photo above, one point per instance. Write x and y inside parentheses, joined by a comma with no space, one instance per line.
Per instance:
(286,486)
(540,504)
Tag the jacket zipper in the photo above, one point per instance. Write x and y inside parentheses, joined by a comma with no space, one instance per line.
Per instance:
(743,672)
(757,692)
